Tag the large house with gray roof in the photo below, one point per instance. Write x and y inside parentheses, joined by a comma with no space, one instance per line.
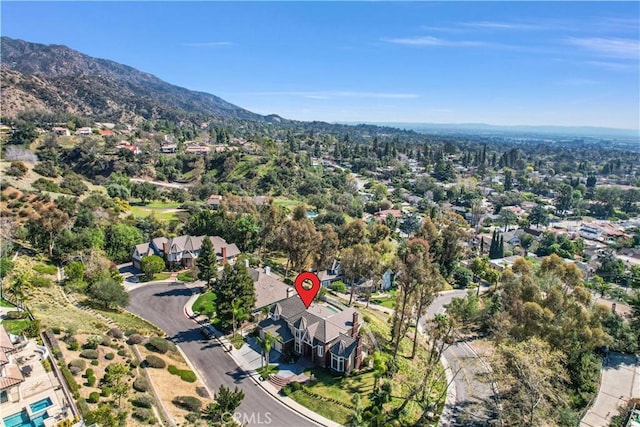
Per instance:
(183,250)
(324,336)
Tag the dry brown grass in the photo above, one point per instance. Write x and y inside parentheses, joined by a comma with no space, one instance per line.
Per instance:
(50,306)
(169,386)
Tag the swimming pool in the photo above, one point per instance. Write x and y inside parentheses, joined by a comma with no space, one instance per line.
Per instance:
(21,419)
(41,404)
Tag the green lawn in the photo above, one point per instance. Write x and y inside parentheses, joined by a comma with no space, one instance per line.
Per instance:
(15,326)
(186,276)
(4,303)
(161,276)
(336,413)
(286,203)
(205,304)
(144,211)
(388,301)
(342,388)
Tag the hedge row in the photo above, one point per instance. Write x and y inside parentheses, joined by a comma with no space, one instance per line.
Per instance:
(184,374)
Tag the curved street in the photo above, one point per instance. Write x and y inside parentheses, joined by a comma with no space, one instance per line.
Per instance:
(163,304)
(475,401)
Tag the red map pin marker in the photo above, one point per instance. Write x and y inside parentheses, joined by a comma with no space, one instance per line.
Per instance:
(307,295)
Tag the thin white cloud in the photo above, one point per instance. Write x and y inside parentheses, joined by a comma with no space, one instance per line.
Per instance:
(338,94)
(611,47)
(503,25)
(208,44)
(433,41)
(613,66)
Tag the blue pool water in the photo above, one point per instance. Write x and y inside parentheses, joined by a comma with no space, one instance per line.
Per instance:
(41,404)
(39,420)
(21,419)
(311,214)
(17,420)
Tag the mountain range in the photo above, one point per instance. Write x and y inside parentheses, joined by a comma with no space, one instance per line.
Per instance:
(55,78)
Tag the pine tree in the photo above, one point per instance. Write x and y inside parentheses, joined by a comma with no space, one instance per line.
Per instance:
(235,284)
(206,261)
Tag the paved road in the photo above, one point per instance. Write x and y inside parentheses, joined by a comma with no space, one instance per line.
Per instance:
(620,382)
(163,304)
(475,402)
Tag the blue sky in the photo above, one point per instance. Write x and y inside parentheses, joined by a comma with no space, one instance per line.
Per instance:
(505,63)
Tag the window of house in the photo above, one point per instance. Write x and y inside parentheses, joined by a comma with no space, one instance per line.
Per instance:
(320,351)
(275,316)
(4,396)
(298,347)
(337,363)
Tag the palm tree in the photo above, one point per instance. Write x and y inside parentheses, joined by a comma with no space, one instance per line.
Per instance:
(18,287)
(238,314)
(266,342)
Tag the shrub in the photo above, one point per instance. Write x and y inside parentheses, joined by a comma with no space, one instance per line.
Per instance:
(122,353)
(17,169)
(184,374)
(68,376)
(93,342)
(295,385)
(91,381)
(189,403)
(134,364)
(75,346)
(46,168)
(95,362)
(130,332)
(160,345)
(141,384)
(155,362)
(43,184)
(56,329)
(109,356)
(41,282)
(106,340)
(14,315)
(78,363)
(338,287)
(89,354)
(83,407)
(202,392)
(142,401)
(116,333)
(106,391)
(141,414)
(94,397)
(135,339)
(89,372)
(75,370)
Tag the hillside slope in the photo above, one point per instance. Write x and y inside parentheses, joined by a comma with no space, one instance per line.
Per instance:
(59,79)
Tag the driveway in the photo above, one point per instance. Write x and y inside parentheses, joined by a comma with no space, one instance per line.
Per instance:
(620,382)
(475,400)
(163,304)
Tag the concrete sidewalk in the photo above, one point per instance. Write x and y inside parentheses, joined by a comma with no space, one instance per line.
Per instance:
(237,356)
(620,381)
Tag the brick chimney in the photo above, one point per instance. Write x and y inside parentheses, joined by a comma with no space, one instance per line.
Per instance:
(289,292)
(354,329)
(164,251)
(223,251)
(358,359)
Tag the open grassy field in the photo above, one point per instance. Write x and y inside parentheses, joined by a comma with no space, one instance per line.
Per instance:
(161,210)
